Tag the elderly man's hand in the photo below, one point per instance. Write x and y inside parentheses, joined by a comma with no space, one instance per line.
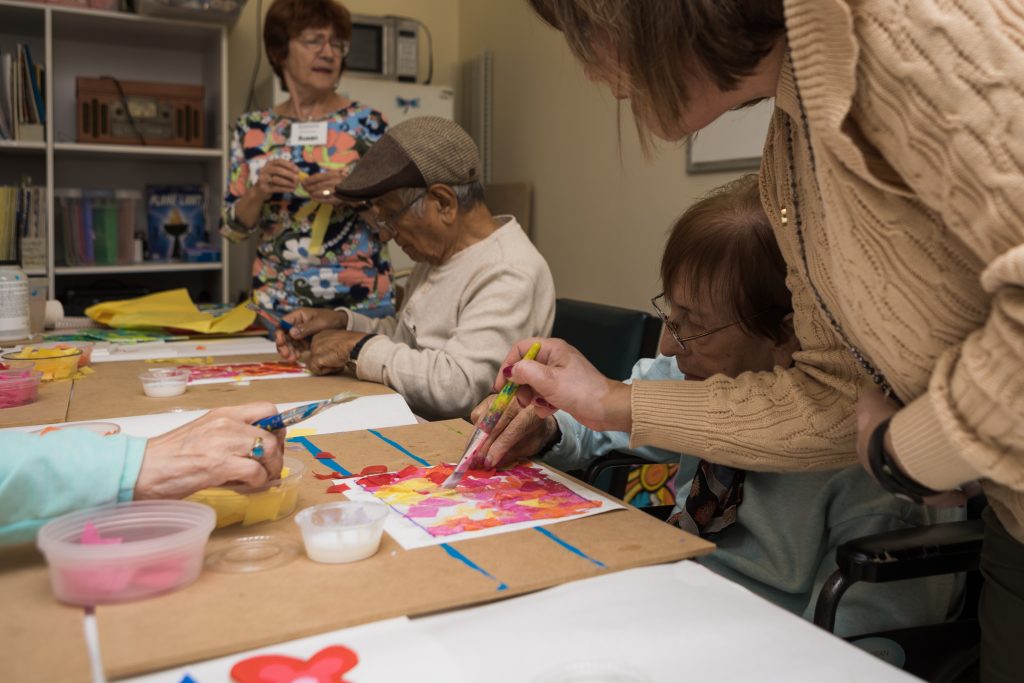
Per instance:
(306,322)
(330,350)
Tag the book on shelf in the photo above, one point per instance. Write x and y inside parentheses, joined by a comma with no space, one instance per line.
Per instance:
(176,217)
(95,227)
(23,220)
(22,101)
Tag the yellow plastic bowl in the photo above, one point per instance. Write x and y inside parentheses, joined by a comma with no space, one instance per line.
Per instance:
(251,505)
(54,363)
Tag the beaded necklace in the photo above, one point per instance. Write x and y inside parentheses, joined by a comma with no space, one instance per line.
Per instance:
(876,375)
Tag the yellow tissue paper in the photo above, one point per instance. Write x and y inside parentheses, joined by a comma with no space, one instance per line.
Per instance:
(173,308)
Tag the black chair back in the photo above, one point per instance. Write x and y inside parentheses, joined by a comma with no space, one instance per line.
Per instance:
(611,338)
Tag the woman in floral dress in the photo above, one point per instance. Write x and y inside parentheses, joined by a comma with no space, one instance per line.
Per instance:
(285,163)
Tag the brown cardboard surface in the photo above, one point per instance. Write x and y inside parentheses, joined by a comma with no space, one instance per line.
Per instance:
(51,406)
(114,390)
(225,613)
(42,639)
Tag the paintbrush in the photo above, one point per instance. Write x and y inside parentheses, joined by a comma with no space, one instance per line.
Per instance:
(269,317)
(303,412)
(486,426)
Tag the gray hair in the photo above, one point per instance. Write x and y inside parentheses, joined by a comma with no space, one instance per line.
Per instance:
(468,195)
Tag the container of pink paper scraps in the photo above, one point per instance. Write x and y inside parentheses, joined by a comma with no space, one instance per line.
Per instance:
(127,551)
(18,387)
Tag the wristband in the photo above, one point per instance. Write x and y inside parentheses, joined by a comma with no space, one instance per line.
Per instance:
(888,474)
(353,355)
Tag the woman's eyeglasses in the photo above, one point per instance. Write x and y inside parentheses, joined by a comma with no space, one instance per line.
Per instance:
(316,44)
(674,328)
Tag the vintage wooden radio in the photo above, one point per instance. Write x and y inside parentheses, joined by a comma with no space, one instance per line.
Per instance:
(137,113)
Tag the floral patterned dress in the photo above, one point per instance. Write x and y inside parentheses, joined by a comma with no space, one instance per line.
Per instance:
(352,268)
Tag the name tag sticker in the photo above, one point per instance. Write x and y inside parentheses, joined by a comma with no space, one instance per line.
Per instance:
(312,133)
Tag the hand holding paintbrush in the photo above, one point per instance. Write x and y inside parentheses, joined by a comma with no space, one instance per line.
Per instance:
(491,418)
(303,324)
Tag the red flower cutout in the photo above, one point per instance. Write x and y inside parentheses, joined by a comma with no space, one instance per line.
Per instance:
(326,666)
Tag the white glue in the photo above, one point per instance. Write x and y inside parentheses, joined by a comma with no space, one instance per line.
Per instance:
(13,303)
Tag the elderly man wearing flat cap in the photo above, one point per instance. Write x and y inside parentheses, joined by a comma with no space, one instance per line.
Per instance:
(478,286)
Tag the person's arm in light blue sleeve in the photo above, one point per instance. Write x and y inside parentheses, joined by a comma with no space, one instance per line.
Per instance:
(579,445)
(43,477)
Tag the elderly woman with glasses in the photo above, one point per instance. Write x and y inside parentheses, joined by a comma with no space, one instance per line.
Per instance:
(479,284)
(727,311)
(285,163)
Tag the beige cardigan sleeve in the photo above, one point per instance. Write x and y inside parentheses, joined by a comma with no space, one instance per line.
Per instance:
(956,137)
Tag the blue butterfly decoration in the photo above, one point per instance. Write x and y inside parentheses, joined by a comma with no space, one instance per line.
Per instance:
(405,105)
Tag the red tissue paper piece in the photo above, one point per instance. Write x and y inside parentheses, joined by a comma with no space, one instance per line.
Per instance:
(327,475)
(337,488)
(373,469)
(326,666)
(324,455)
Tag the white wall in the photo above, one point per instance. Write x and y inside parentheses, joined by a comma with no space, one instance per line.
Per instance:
(601,212)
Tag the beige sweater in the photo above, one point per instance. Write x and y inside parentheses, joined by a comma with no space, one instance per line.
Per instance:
(914,233)
(458,320)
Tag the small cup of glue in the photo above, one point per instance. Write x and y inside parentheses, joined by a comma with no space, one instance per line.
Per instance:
(342,532)
(164,382)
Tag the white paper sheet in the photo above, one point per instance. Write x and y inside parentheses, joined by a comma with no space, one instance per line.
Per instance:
(192,348)
(410,535)
(388,651)
(368,412)
(667,623)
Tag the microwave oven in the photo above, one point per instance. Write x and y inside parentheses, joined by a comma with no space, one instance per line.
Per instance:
(384,47)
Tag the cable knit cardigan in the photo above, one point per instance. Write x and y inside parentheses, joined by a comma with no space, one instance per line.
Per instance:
(913,217)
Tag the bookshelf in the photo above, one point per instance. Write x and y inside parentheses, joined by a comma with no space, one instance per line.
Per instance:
(71,42)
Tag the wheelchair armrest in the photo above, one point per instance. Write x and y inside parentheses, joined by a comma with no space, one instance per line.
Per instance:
(611,461)
(910,553)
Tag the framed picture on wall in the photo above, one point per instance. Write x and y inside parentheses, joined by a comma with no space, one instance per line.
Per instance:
(733,142)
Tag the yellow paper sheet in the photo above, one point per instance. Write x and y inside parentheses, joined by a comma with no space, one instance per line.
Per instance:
(173,308)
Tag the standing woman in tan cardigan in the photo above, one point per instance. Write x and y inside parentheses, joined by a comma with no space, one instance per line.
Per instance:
(893,175)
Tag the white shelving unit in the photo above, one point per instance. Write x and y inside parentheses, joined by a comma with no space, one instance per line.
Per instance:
(74,42)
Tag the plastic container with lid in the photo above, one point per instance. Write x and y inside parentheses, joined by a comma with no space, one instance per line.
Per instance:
(249,505)
(125,552)
(342,532)
(18,387)
(14,298)
(164,382)
(54,363)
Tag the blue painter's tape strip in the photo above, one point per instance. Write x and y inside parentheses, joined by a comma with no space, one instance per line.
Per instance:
(571,548)
(471,564)
(326,462)
(399,446)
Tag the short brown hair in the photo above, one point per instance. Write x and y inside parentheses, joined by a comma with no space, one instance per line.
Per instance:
(286,19)
(723,246)
(663,44)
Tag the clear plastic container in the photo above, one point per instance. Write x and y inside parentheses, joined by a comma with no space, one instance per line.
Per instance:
(54,363)
(19,387)
(342,532)
(164,382)
(84,346)
(125,552)
(249,505)
(14,298)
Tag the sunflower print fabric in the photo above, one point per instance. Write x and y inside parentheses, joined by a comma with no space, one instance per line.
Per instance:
(353,268)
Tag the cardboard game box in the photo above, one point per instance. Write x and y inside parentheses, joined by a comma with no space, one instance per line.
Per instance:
(177,220)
